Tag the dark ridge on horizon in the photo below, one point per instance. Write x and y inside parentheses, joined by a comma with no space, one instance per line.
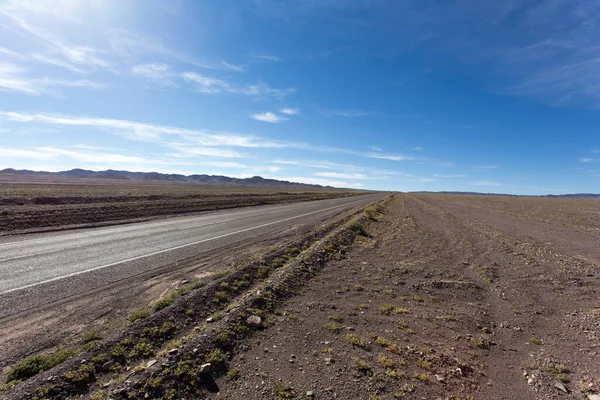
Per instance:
(568,195)
(200,179)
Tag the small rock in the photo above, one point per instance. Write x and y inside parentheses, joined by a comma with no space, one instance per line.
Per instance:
(593,396)
(440,378)
(254,321)
(183,282)
(328,360)
(205,368)
(560,387)
(310,393)
(151,363)
(210,319)
(172,352)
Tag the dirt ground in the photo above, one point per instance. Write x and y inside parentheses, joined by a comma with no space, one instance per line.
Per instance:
(448,299)
(51,205)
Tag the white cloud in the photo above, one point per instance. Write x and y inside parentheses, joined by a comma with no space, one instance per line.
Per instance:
(232,67)
(48,153)
(587,160)
(160,73)
(265,57)
(346,113)
(393,157)
(486,167)
(14,78)
(418,148)
(289,111)
(376,148)
(323,182)
(268,117)
(450,176)
(341,175)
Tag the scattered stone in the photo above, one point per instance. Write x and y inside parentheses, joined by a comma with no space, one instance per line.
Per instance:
(593,396)
(560,387)
(205,368)
(254,321)
(310,393)
(440,378)
(210,320)
(172,352)
(151,363)
(328,360)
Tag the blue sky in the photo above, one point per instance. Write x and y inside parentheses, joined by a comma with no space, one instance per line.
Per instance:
(489,96)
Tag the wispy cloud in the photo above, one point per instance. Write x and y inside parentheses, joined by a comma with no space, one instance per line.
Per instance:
(376,148)
(486,167)
(393,157)
(346,113)
(158,73)
(268,117)
(450,176)
(16,79)
(418,148)
(340,175)
(265,57)
(588,160)
(290,111)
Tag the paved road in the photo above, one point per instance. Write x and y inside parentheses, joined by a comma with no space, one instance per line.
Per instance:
(38,269)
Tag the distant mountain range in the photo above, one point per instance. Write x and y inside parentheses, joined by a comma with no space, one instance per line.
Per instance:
(207,180)
(572,196)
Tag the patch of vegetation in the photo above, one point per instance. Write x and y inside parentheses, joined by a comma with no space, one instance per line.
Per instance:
(395,373)
(336,318)
(422,377)
(197,284)
(381,341)
(422,363)
(82,374)
(281,391)
(166,302)
(333,327)
(536,341)
(217,358)
(263,272)
(33,365)
(362,366)
(402,324)
(386,309)
(217,316)
(221,297)
(138,315)
(358,288)
(479,343)
(358,341)
(90,335)
(359,229)
(142,349)
(233,374)
(385,361)
(417,298)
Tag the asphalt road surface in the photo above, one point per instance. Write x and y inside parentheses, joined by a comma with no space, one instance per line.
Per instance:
(42,268)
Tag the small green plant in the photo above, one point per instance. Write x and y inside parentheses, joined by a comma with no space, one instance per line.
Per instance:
(221,297)
(33,365)
(362,366)
(233,374)
(402,324)
(536,341)
(263,271)
(381,341)
(198,283)
(422,377)
(422,363)
(386,309)
(479,343)
(395,373)
(217,358)
(385,361)
(336,318)
(281,391)
(141,349)
(82,374)
(356,340)
(401,310)
(359,229)
(358,288)
(217,316)
(90,335)
(333,327)
(164,303)
(417,298)
(138,315)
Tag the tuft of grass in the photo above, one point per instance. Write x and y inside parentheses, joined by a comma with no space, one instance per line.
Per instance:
(422,363)
(385,361)
(217,358)
(356,340)
(381,341)
(33,365)
(141,349)
(138,315)
(536,341)
(394,373)
(233,374)
(359,229)
(336,318)
(479,343)
(91,335)
(281,391)
(402,324)
(417,298)
(557,368)
(362,366)
(221,297)
(164,303)
(386,309)
(216,316)
(82,374)
(358,288)
(421,377)
(333,327)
